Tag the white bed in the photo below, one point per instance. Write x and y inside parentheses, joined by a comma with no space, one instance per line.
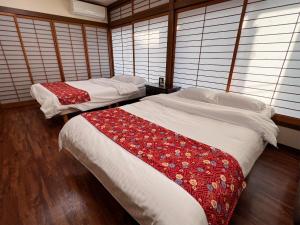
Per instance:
(100,92)
(149,196)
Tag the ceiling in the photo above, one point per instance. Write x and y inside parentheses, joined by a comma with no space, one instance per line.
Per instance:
(101,2)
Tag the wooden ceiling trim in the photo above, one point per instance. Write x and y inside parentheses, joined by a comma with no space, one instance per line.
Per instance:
(21,12)
(141,16)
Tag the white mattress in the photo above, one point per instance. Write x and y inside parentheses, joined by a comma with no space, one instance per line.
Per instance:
(149,196)
(100,96)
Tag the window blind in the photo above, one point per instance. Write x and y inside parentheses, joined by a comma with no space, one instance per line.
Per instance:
(205,41)
(141,5)
(97,51)
(121,12)
(40,49)
(150,45)
(268,60)
(14,77)
(123,50)
(71,49)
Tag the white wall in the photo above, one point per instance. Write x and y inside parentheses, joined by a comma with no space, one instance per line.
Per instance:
(289,137)
(56,7)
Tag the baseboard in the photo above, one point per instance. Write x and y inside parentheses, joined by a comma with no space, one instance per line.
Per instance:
(18,104)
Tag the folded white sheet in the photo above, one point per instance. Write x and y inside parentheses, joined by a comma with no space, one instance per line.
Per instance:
(149,196)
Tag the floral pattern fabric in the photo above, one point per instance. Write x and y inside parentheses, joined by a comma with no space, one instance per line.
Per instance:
(213,177)
(67,94)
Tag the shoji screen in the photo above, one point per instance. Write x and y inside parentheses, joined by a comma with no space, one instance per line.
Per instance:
(141,5)
(268,60)
(71,48)
(15,80)
(123,50)
(205,41)
(121,12)
(40,49)
(150,45)
(97,51)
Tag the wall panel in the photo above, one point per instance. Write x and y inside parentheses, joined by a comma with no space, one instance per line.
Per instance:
(267,64)
(150,46)
(98,51)
(205,41)
(123,50)
(15,80)
(40,50)
(72,53)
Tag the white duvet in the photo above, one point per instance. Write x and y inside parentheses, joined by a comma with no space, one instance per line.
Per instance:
(102,91)
(149,196)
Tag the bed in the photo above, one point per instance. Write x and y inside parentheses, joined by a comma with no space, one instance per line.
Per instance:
(147,194)
(101,92)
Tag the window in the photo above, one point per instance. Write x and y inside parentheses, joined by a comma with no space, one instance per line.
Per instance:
(71,49)
(205,41)
(123,50)
(40,50)
(268,60)
(150,48)
(14,80)
(97,51)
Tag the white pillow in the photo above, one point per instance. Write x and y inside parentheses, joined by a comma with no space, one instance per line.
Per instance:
(199,94)
(240,101)
(130,79)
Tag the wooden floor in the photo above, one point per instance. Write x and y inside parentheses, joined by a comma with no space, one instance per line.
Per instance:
(39,185)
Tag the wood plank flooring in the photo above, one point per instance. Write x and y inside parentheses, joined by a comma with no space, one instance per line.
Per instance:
(41,186)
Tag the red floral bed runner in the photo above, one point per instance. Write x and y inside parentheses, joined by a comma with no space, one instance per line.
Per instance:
(213,177)
(67,94)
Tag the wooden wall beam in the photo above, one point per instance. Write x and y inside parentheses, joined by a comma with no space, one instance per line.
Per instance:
(236,47)
(110,48)
(49,16)
(54,37)
(86,53)
(23,49)
(287,121)
(172,23)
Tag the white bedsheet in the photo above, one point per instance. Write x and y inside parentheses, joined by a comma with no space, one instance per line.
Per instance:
(101,95)
(149,196)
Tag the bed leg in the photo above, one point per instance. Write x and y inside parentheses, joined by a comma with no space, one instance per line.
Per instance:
(65,118)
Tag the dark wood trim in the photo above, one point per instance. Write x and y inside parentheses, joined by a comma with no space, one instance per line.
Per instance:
(172,22)
(133,48)
(23,49)
(18,104)
(58,56)
(185,5)
(88,66)
(93,2)
(117,4)
(140,16)
(236,47)
(110,49)
(287,121)
(49,16)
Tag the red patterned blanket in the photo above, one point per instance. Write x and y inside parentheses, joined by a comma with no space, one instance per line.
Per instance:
(67,94)
(213,177)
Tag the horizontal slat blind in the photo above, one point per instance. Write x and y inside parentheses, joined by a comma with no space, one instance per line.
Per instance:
(141,5)
(71,48)
(122,50)
(151,48)
(205,42)
(268,60)
(40,49)
(98,51)
(15,80)
(121,12)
